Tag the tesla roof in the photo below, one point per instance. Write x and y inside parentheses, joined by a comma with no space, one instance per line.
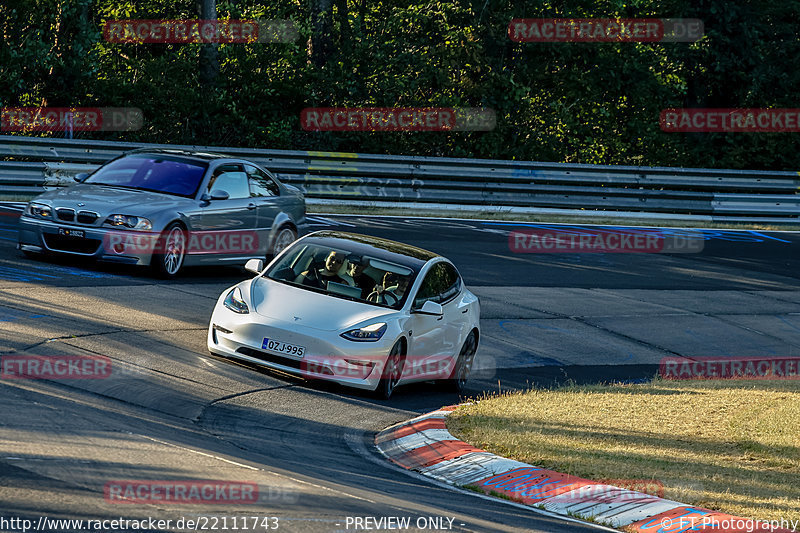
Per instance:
(376,247)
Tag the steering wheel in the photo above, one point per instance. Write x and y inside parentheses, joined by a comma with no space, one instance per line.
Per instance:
(376,297)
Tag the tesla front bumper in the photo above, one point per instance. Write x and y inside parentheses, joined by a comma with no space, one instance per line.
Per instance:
(103,244)
(327,355)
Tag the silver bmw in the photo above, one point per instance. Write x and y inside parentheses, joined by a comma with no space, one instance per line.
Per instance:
(167,209)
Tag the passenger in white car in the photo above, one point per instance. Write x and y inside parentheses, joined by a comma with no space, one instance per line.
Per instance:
(319,277)
(356,277)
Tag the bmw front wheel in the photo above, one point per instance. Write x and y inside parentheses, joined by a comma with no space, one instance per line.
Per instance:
(286,236)
(170,251)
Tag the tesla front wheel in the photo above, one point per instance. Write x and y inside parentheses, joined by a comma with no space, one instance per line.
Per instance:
(392,371)
(170,251)
(457,382)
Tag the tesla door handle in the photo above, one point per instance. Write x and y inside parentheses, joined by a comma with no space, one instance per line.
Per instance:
(440,318)
(251,206)
(466,309)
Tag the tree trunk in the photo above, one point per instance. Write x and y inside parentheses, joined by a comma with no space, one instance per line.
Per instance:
(321,36)
(209,60)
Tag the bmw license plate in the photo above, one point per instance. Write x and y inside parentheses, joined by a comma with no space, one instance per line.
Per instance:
(283,348)
(68,232)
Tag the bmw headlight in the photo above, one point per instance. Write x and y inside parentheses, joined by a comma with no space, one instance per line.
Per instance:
(235,302)
(372,332)
(129,221)
(40,210)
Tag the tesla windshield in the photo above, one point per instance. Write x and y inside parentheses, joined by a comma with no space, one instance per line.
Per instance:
(151,172)
(344,274)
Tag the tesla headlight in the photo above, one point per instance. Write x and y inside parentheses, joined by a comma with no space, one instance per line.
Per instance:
(235,302)
(372,332)
(129,221)
(40,210)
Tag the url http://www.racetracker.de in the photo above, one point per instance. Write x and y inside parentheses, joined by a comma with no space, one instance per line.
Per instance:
(196,523)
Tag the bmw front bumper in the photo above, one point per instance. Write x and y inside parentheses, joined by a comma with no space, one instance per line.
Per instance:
(36,235)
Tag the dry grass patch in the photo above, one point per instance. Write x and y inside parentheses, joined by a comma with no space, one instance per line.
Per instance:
(732,446)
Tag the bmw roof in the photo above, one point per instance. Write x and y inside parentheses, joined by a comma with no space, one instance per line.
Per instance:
(178,152)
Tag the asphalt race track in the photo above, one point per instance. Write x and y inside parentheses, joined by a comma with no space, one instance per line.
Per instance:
(170,410)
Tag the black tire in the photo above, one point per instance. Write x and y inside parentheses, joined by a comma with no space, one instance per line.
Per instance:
(391,371)
(457,382)
(286,235)
(167,260)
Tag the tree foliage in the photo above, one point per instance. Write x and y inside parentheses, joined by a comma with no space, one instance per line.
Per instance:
(571,102)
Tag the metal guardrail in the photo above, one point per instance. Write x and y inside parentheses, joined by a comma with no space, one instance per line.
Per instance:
(32,163)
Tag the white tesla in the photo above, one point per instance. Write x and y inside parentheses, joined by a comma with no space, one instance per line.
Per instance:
(358,310)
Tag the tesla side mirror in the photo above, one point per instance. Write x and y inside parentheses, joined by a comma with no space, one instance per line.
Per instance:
(431,308)
(254,265)
(80,177)
(219,194)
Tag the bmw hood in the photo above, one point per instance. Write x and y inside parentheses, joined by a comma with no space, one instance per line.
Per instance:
(109,200)
(310,309)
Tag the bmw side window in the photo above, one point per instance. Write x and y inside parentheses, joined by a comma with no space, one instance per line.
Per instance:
(260,183)
(231,179)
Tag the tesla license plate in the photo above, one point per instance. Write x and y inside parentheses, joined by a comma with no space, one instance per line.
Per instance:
(282,347)
(66,232)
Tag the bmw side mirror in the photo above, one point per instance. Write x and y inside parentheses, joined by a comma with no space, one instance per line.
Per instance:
(219,194)
(254,265)
(431,308)
(80,177)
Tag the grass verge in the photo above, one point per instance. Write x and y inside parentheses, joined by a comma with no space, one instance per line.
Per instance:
(731,445)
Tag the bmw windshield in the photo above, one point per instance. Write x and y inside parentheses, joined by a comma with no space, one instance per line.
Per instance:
(343,274)
(153,173)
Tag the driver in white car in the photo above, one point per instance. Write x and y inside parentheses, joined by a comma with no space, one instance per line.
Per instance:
(391,290)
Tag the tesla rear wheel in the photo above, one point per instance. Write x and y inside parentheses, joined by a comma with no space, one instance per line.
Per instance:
(283,239)
(391,371)
(171,250)
(457,382)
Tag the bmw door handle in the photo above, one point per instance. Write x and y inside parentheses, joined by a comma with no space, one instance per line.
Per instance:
(251,206)
(465,310)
